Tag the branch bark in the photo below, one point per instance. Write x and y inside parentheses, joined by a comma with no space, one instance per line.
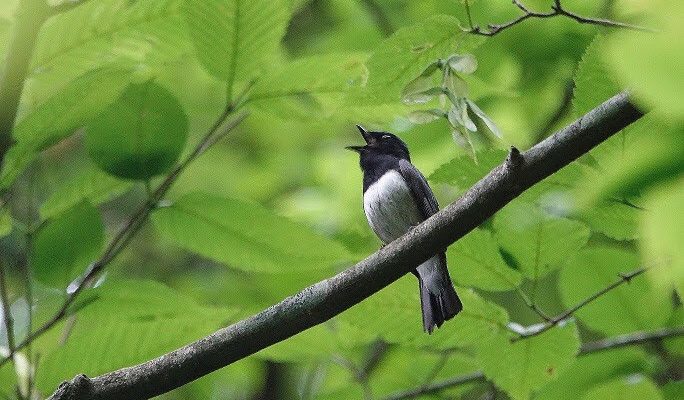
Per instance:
(327,298)
(587,348)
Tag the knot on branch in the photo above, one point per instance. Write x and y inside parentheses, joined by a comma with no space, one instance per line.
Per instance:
(514,159)
(81,387)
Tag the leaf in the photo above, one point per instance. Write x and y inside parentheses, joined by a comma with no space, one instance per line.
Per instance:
(463,63)
(425,116)
(60,116)
(594,82)
(129,322)
(67,245)
(404,55)
(661,57)
(475,261)
(394,315)
(89,184)
(294,86)
(139,136)
(614,219)
(663,234)
(463,173)
(19,310)
(234,39)
(634,387)
(5,221)
(538,242)
(487,121)
(629,307)
(245,235)
(522,367)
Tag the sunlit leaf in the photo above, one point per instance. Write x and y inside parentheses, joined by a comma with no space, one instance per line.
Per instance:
(425,116)
(463,63)
(634,387)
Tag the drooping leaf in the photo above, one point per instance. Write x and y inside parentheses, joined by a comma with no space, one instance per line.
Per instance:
(425,116)
(127,323)
(60,116)
(522,367)
(65,247)
(475,261)
(484,118)
(139,136)
(463,63)
(537,241)
(89,184)
(245,235)
(236,38)
(629,307)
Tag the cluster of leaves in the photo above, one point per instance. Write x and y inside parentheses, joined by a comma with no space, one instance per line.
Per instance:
(117,89)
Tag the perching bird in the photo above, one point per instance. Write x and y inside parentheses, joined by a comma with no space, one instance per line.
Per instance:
(396,197)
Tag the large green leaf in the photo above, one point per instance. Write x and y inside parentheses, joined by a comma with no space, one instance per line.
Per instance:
(462,172)
(394,315)
(635,387)
(65,247)
(663,236)
(629,307)
(537,241)
(475,261)
(89,184)
(235,39)
(245,235)
(522,367)
(139,136)
(61,115)
(322,79)
(405,54)
(593,79)
(125,323)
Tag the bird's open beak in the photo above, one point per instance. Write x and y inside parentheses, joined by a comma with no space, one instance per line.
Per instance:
(366,137)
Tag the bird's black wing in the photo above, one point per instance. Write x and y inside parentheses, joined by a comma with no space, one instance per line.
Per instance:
(422,194)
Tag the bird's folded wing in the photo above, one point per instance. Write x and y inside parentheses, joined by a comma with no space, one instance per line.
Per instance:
(425,199)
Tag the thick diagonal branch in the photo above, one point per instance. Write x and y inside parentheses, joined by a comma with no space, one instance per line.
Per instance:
(328,298)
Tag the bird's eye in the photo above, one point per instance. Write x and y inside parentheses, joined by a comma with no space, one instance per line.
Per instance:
(385,136)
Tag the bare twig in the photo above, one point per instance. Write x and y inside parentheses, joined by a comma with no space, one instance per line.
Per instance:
(218,130)
(326,299)
(624,278)
(556,10)
(635,338)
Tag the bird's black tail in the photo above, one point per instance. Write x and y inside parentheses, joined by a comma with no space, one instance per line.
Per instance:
(438,298)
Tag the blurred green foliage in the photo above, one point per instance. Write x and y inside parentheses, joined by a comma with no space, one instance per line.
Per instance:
(117,91)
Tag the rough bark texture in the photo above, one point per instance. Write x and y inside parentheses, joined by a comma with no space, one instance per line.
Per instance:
(332,296)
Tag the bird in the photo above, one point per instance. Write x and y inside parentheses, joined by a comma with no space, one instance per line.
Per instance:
(396,198)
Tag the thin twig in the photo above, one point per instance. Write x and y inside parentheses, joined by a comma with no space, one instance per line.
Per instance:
(634,338)
(556,10)
(218,130)
(624,278)
(470,18)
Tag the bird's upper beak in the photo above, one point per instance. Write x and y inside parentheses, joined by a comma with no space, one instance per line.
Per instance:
(366,137)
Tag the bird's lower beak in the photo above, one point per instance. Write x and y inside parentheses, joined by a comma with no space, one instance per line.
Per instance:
(355,148)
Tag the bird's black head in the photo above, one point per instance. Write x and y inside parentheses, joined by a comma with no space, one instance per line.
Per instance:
(381,143)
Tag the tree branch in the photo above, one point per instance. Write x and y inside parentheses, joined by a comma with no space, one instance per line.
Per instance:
(624,278)
(327,298)
(220,128)
(587,348)
(556,10)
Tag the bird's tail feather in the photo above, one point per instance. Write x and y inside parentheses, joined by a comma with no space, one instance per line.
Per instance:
(438,298)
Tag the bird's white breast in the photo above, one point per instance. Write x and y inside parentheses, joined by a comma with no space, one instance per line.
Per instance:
(389,207)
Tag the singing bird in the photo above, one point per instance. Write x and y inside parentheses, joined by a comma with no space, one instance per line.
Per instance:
(396,197)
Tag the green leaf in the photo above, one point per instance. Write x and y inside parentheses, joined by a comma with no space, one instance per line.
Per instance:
(5,221)
(235,38)
(139,136)
(629,307)
(538,242)
(293,86)
(60,116)
(127,323)
(405,55)
(463,173)
(673,390)
(394,315)
(425,116)
(592,369)
(593,79)
(663,235)
(485,118)
(634,387)
(65,247)
(245,235)
(89,184)
(522,367)
(614,219)
(475,261)
(649,71)
(463,63)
